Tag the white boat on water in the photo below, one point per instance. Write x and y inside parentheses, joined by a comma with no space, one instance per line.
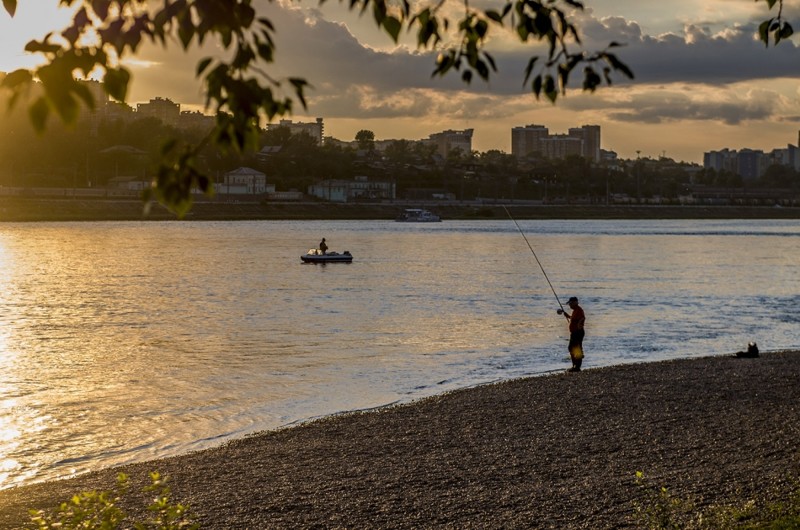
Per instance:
(315,255)
(417,215)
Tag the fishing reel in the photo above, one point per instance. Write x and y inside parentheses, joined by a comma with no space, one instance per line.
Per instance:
(560,311)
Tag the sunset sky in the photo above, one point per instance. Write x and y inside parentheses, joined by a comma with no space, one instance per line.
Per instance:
(703,80)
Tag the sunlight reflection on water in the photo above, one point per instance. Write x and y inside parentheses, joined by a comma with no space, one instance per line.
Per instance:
(122,342)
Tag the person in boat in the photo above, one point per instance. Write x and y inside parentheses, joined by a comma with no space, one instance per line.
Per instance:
(576,332)
(323,247)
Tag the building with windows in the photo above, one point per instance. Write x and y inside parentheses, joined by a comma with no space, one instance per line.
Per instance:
(450,140)
(164,109)
(789,157)
(244,181)
(358,189)
(315,130)
(590,136)
(751,164)
(561,146)
(196,120)
(724,160)
(536,140)
(527,140)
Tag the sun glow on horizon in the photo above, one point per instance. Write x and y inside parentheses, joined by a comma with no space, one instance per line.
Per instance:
(32,21)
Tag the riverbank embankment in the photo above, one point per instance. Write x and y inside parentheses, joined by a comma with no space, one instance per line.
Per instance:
(17,209)
(556,451)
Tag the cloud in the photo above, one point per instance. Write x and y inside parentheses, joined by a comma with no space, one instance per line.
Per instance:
(728,57)
(328,54)
(701,73)
(732,105)
(671,105)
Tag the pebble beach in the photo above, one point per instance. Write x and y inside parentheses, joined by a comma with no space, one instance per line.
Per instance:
(556,451)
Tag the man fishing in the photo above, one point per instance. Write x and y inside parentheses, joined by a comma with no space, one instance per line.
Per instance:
(576,321)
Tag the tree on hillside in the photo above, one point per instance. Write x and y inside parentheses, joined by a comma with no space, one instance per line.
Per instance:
(242,95)
(277,136)
(780,176)
(398,153)
(366,140)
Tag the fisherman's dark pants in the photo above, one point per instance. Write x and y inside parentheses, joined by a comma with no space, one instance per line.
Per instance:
(576,347)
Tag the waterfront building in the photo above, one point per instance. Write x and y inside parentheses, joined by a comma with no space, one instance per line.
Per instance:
(244,181)
(360,188)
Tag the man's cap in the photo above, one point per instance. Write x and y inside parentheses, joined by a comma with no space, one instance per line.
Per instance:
(572,299)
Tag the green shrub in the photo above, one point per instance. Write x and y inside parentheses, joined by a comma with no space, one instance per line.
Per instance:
(661,511)
(94,510)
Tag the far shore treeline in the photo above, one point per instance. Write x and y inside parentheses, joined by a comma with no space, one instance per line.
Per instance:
(14,209)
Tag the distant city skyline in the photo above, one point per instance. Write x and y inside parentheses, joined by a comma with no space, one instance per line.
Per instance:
(533,138)
(703,81)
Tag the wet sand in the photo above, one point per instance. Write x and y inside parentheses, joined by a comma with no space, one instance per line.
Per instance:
(558,451)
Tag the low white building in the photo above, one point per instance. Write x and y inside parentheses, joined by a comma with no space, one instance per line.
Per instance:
(361,188)
(244,181)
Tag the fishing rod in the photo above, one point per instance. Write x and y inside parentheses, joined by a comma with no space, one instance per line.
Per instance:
(536,257)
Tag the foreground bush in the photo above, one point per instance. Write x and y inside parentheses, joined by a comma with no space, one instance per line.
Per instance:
(660,510)
(100,510)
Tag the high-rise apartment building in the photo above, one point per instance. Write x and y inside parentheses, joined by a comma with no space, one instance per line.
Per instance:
(561,146)
(537,140)
(590,136)
(527,140)
(751,164)
(720,160)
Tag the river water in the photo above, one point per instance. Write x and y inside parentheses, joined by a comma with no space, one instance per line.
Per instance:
(123,342)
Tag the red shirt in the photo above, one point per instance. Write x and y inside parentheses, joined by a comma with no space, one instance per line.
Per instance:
(576,319)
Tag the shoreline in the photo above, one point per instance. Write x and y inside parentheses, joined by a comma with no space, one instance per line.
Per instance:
(552,451)
(21,209)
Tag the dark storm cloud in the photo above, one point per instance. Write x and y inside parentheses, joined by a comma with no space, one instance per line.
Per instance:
(352,80)
(339,68)
(325,51)
(331,53)
(697,56)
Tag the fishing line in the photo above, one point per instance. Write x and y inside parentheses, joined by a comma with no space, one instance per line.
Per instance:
(536,257)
